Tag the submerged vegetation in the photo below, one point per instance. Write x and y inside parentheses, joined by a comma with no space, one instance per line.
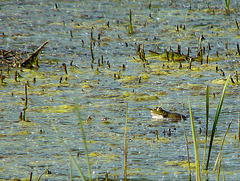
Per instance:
(114,62)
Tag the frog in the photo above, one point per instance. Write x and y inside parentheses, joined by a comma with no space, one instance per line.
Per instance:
(160,113)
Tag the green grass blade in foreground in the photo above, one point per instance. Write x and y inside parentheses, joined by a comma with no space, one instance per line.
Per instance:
(70,163)
(238,129)
(83,137)
(227,3)
(197,163)
(216,120)
(220,152)
(125,145)
(207,115)
(188,157)
(219,166)
(69,154)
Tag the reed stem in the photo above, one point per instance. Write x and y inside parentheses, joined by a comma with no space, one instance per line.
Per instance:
(216,120)
(207,116)
(83,137)
(195,142)
(188,156)
(220,152)
(125,145)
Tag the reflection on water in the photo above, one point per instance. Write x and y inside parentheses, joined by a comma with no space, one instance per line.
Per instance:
(110,77)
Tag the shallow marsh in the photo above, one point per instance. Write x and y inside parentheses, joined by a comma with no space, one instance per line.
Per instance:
(104,86)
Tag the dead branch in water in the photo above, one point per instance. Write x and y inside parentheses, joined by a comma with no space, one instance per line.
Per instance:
(32,60)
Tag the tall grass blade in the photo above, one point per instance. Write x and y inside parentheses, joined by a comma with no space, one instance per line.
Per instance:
(219,167)
(227,3)
(125,145)
(188,157)
(220,152)
(83,137)
(69,154)
(207,116)
(216,120)
(197,163)
(223,176)
(238,129)
(70,162)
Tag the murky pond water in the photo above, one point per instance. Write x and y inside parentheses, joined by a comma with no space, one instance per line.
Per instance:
(103,86)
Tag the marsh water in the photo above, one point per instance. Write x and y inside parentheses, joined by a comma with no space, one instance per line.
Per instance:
(109,79)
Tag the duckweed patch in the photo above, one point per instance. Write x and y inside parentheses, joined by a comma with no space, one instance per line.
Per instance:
(137,96)
(180,163)
(53,109)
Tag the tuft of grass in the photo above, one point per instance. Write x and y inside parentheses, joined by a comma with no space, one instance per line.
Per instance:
(195,142)
(216,120)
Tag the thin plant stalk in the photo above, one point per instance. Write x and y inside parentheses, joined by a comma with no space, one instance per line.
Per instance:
(125,145)
(207,116)
(188,157)
(83,137)
(238,129)
(69,154)
(219,167)
(216,120)
(227,3)
(220,152)
(130,28)
(197,163)
(223,176)
(70,162)
(39,178)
